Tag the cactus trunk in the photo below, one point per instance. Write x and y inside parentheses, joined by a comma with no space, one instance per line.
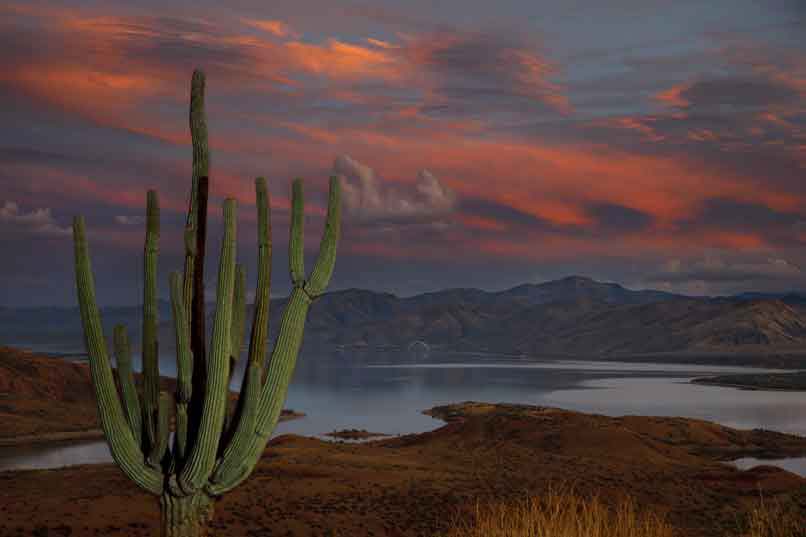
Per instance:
(185,516)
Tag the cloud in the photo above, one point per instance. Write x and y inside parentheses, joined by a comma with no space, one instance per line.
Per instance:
(129,220)
(776,228)
(38,221)
(614,217)
(366,198)
(444,72)
(727,93)
(718,268)
(274,27)
(479,67)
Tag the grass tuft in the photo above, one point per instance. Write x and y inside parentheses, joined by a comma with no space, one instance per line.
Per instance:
(772,518)
(562,514)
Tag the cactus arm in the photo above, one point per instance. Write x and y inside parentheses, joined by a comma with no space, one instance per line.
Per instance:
(292,326)
(235,470)
(184,365)
(190,247)
(238,313)
(260,322)
(198,334)
(198,126)
(239,445)
(284,356)
(236,333)
(131,401)
(237,459)
(296,246)
(122,443)
(158,452)
(196,237)
(323,268)
(203,452)
(150,351)
(184,357)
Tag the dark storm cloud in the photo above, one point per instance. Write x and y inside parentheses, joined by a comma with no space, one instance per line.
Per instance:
(482,68)
(177,43)
(779,228)
(615,218)
(743,215)
(741,92)
(506,215)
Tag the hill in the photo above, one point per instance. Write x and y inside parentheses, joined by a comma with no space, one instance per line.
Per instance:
(38,393)
(573,315)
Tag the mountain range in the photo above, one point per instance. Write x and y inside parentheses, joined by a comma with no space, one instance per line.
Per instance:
(572,315)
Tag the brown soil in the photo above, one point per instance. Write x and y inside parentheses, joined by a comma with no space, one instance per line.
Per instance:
(413,485)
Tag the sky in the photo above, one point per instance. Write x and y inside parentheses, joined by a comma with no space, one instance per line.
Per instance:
(483,144)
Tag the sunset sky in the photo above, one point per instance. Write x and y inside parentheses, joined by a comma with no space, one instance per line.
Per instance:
(481,144)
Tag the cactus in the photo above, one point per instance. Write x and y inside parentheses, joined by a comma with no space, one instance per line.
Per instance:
(211,452)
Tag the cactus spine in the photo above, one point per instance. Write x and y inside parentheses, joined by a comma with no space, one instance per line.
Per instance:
(212,452)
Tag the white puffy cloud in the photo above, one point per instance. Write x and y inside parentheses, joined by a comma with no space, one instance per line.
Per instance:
(368,198)
(38,221)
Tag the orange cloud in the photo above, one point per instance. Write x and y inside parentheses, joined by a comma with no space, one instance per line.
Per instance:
(554,183)
(381,44)
(274,27)
(340,60)
(641,125)
(478,222)
(673,96)
(533,75)
(91,92)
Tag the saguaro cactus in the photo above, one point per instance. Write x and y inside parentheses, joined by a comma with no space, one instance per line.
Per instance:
(211,452)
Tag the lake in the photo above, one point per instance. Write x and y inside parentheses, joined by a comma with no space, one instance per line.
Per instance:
(387,395)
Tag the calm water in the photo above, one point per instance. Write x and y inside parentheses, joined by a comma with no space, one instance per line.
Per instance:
(383,397)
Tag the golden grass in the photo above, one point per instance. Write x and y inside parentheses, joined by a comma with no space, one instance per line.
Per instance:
(562,514)
(772,518)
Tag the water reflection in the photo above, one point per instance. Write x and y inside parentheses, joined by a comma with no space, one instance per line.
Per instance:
(742,409)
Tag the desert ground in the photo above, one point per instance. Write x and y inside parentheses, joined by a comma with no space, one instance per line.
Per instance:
(418,485)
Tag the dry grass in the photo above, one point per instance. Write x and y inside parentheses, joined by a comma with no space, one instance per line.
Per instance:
(772,518)
(562,514)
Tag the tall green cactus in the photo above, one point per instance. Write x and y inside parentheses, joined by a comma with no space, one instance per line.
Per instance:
(212,452)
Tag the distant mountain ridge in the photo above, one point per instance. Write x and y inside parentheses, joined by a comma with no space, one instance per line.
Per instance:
(576,315)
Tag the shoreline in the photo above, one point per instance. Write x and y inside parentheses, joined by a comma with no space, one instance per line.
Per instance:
(51,438)
(793,359)
(770,382)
